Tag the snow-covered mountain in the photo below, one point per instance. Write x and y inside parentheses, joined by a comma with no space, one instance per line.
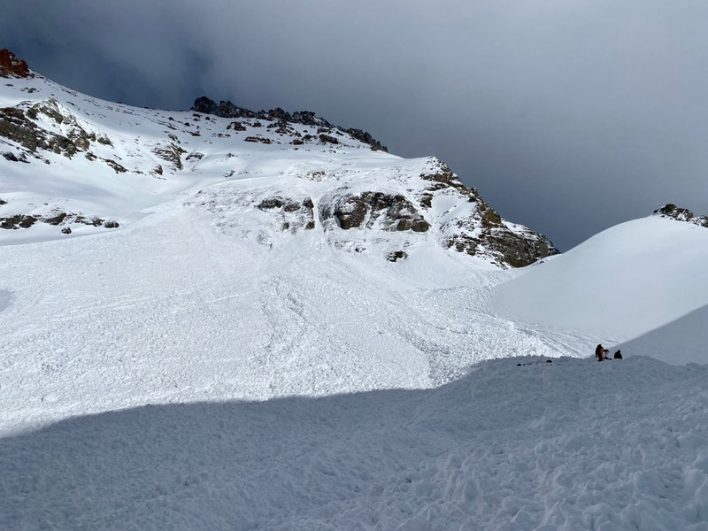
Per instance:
(264,175)
(203,262)
(627,281)
(189,256)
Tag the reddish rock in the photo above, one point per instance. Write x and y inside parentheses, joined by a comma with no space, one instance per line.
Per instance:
(11,66)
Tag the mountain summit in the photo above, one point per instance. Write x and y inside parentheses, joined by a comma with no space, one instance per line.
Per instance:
(11,66)
(262,175)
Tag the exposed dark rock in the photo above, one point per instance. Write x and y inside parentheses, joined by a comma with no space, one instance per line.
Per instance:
(291,206)
(271,202)
(681,214)
(3,202)
(226,109)
(426,200)
(171,153)
(395,256)
(56,219)
(292,213)
(443,175)
(328,139)
(19,126)
(116,167)
(362,210)
(258,139)
(518,252)
(195,156)
(14,158)
(366,138)
(416,225)
(236,126)
(21,221)
(12,66)
(18,221)
(94,221)
(484,232)
(157,170)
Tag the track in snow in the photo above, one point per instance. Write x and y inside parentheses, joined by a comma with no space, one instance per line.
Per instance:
(572,444)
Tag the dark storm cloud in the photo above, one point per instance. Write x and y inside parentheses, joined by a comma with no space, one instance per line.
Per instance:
(569,115)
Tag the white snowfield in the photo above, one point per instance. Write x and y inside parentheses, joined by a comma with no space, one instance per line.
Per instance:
(632,280)
(213,287)
(227,358)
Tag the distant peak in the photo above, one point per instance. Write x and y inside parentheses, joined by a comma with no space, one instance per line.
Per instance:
(226,109)
(681,214)
(12,66)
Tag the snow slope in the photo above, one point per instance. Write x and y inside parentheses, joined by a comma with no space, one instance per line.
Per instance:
(682,341)
(620,284)
(214,323)
(239,269)
(568,445)
(171,309)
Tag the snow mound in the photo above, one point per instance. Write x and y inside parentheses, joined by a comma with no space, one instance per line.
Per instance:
(620,284)
(516,444)
(684,340)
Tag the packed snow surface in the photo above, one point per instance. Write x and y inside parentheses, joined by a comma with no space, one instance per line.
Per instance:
(568,445)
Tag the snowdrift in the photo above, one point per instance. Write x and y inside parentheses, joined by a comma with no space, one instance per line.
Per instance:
(618,285)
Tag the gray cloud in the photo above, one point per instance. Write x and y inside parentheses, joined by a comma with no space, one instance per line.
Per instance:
(568,115)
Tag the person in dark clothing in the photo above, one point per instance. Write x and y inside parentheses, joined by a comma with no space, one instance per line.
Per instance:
(618,355)
(600,352)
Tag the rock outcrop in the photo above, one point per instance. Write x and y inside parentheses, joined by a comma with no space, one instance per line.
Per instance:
(21,126)
(359,211)
(12,66)
(484,232)
(681,214)
(226,109)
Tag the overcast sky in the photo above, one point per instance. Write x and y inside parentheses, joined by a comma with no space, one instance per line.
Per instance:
(568,115)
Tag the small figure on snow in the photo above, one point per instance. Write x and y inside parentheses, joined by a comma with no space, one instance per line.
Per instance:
(601,353)
(618,355)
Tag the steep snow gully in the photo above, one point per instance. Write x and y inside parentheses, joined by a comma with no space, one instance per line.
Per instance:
(263,321)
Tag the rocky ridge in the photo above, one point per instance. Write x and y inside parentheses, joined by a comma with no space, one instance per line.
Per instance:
(269,173)
(281,119)
(681,214)
(11,66)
